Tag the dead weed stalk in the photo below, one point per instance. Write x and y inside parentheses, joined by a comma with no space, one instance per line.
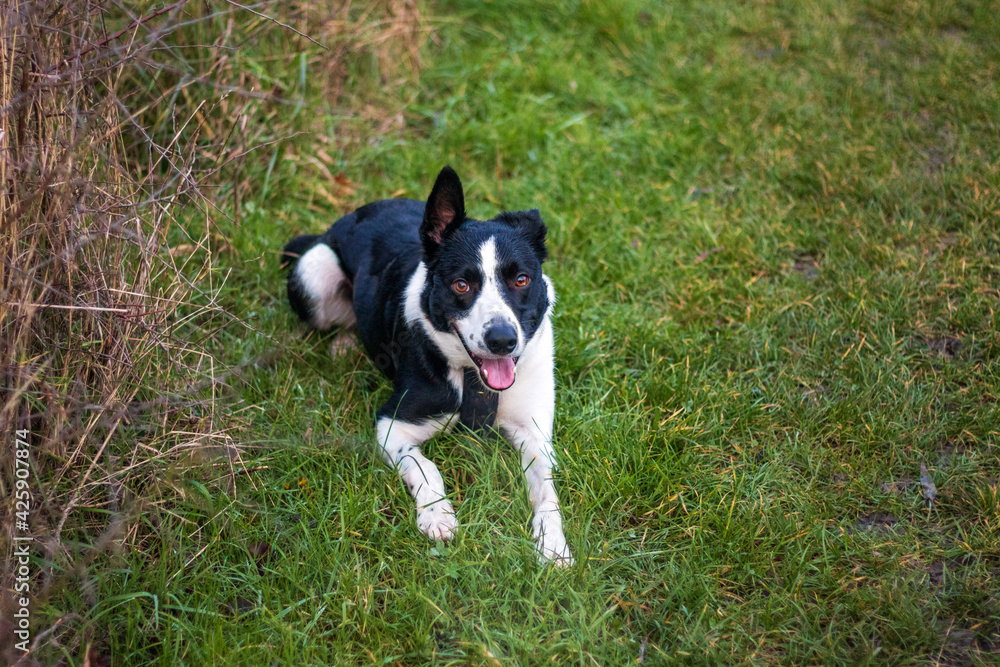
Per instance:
(123,128)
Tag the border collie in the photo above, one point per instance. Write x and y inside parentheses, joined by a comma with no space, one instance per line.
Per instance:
(456,313)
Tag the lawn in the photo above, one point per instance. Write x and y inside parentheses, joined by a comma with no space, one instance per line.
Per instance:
(773,235)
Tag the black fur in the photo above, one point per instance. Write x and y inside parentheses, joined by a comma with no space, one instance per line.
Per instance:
(479,405)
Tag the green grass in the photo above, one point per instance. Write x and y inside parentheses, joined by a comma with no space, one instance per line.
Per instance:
(773,233)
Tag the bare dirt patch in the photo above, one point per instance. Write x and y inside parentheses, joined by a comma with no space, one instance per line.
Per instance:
(876,522)
(807,267)
(898,486)
(946,347)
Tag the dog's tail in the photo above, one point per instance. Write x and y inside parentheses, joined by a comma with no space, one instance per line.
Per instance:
(296,248)
(319,291)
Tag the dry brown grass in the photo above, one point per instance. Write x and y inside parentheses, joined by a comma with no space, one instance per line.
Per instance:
(86,292)
(389,31)
(118,123)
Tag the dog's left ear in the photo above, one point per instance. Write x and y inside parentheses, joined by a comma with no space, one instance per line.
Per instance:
(444,213)
(528,223)
(535,230)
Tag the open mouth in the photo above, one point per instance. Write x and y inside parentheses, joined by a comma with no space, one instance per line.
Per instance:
(497,374)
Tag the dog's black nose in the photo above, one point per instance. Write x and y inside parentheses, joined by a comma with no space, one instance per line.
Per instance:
(501,338)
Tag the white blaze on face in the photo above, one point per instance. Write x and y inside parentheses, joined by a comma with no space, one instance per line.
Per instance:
(490,307)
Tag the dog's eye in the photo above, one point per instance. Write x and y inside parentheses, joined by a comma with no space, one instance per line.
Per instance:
(460,286)
(522,280)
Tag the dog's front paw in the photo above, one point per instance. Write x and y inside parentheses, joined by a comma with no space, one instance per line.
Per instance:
(437,521)
(552,548)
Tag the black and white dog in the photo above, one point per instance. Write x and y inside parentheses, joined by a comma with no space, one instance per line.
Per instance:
(456,312)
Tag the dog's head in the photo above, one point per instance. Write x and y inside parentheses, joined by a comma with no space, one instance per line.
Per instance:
(484,279)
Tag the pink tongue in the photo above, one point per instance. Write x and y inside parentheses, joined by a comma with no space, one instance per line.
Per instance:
(498,373)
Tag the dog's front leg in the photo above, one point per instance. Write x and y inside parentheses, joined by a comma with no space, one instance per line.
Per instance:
(537,461)
(400,442)
(525,418)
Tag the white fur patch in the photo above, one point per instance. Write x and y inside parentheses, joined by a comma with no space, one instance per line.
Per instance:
(489,307)
(322,280)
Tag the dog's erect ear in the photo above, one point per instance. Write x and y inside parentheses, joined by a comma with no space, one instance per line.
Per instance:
(445,211)
(536,231)
(528,223)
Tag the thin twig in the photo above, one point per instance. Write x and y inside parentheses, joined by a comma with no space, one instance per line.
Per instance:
(283,25)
